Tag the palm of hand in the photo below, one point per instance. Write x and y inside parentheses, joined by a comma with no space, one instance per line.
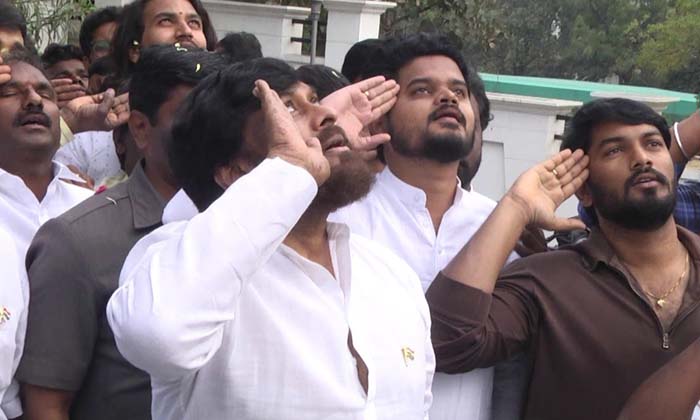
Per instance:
(353,108)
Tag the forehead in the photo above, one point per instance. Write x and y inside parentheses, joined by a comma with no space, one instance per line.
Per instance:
(298,90)
(24,73)
(621,131)
(154,7)
(434,67)
(104,31)
(72,64)
(9,37)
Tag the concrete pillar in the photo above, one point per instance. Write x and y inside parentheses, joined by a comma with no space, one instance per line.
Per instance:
(350,21)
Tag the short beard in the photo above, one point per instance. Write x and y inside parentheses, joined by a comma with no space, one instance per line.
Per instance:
(647,214)
(350,181)
(442,148)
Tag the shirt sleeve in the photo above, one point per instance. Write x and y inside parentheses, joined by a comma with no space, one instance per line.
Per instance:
(473,329)
(169,313)
(63,311)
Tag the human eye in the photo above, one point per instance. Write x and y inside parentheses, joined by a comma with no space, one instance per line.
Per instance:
(460,91)
(612,151)
(195,24)
(314,99)
(165,20)
(654,143)
(290,107)
(8,91)
(420,90)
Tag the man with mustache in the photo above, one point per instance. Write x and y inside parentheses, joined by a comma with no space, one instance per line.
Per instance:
(595,319)
(257,307)
(32,189)
(417,207)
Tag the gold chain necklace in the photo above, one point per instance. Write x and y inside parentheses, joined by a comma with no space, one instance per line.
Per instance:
(661,300)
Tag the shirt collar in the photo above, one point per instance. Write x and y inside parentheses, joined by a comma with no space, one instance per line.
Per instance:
(146,203)
(597,249)
(408,194)
(179,208)
(61,171)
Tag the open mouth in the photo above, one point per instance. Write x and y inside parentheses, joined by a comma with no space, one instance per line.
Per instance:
(449,114)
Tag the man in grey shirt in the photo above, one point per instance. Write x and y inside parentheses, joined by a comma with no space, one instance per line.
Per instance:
(71,367)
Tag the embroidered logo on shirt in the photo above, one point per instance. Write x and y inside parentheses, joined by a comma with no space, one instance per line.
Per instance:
(4,315)
(407,355)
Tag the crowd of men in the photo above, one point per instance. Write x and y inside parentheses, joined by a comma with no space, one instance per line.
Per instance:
(190,230)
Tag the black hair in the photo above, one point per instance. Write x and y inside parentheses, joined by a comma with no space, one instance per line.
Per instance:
(104,66)
(93,21)
(55,53)
(322,78)
(208,130)
(20,54)
(365,59)
(401,51)
(478,91)
(578,131)
(164,67)
(240,46)
(12,18)
(130,31)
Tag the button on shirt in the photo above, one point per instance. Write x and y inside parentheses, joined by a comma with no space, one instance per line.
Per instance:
(394,214)
(13,317)
(21,213)
(232,324)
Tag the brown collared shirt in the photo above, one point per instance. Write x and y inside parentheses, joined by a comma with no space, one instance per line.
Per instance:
(591,337)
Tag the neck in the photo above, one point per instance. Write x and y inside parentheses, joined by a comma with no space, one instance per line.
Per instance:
(310,239)
(165,188)
(437,180)
(36,175)
(664,243)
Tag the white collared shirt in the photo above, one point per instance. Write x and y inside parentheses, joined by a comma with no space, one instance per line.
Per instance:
(14,298)
(232,324)
(394,214)
(21,213)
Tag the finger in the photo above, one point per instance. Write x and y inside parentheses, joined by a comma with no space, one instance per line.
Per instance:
(384,96)
(5,77)
(573,171)
(555,160)
(61,82)
(566,224)
(106,103)
(387,86)
(570,161)
(382,109)
(68,96)
(367,84)
(121,100)
(570,189)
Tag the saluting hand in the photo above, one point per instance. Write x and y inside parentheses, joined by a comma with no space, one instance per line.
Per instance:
(284,138)
(359,105)
(540,190)
(101,112)
(5,73)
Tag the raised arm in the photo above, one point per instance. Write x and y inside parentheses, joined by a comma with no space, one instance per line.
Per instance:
(177,294)
(687,132)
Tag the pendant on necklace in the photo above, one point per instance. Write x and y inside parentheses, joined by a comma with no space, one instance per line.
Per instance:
(660,303)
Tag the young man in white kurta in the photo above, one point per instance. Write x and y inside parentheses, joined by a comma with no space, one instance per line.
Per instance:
(230,322)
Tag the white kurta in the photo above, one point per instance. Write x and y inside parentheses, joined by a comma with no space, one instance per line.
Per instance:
(14,298)
(232,324)
(394,214)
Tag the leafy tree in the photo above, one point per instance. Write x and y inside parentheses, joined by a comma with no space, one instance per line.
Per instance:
(54,20)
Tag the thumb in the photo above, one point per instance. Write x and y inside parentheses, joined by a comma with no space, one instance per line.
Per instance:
(107,101)
(562,224)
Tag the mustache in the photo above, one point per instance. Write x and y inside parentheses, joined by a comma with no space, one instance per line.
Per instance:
(658,176)
(32,115)
(448,109)
(331,134)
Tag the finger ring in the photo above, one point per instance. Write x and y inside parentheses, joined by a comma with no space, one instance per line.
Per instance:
(556,174)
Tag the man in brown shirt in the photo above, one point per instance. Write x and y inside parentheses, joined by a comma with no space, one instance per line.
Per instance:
(596,319)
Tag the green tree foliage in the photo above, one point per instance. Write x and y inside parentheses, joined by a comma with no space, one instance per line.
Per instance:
(639,41)
(54,20)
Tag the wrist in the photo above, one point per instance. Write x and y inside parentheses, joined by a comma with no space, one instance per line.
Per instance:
(519,208)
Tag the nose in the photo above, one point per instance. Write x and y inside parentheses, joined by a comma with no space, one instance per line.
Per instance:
(446,95)
(322,117)
(183,28)
(640,157)
(33,99)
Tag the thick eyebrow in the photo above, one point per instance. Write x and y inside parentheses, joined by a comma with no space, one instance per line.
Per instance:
(428,80)
(620,139)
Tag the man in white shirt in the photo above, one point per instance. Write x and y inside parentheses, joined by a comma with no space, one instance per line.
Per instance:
(13,321)
(32,187)
(417,207)
(257,308)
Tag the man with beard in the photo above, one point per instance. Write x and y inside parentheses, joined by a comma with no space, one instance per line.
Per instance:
(418,208)
(598,318)
(257,307)
(71,367)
